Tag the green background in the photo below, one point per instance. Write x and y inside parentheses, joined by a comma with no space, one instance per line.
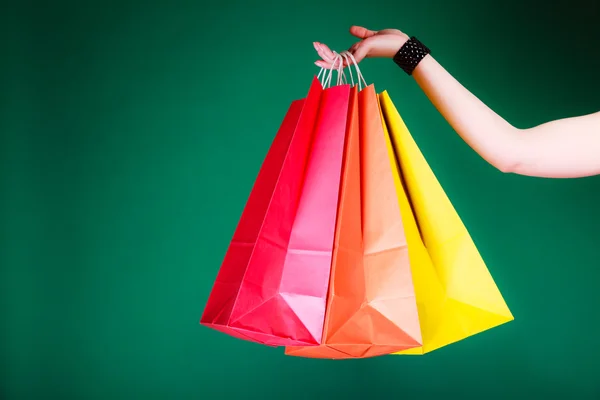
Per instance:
(130,136)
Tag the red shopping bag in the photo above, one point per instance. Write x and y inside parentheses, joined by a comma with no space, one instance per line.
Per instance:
(272,285)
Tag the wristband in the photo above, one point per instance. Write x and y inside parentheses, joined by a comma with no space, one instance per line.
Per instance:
(410,55)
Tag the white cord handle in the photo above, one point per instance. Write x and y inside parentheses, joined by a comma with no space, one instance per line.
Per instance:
(359,74)
(349,69)
(328,80)
(341,76)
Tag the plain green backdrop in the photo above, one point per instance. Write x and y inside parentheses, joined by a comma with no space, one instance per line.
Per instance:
(130,137)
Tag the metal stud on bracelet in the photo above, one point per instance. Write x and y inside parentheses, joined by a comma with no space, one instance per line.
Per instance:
(410,55)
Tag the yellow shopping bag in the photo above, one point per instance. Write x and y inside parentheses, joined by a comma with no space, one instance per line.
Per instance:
(456,295)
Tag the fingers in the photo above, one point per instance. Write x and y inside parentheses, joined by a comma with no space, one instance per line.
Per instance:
(322,64)
(329,65)
(329,58)
(361,32)
(324,52)
(360,50)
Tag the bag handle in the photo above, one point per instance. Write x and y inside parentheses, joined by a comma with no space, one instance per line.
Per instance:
(341,76)
(349,69)
(326,78)
(360,76)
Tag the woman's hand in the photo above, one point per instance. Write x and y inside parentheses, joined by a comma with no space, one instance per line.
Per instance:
(384,43)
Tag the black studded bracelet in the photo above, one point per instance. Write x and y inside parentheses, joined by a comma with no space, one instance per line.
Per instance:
(410,55)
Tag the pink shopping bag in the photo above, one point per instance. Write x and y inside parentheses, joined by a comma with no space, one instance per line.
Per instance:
(272,285)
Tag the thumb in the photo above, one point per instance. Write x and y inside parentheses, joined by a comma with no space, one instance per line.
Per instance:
(360,50)
(361,32)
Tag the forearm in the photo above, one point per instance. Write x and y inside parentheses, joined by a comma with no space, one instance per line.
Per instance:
(492,137)
(564,148)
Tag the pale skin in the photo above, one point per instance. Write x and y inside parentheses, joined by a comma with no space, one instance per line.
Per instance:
(562,148)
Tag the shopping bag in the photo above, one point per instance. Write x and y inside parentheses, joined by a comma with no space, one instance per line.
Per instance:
(371,307)
(456,294)
(272,285)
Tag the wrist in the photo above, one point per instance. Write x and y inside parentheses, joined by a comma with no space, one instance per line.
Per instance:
(402,39)
(410,54)
(395,44)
